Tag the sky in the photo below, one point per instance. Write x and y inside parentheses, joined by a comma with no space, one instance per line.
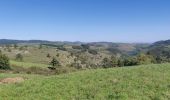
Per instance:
(85,20)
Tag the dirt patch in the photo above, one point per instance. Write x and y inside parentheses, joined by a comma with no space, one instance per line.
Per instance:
(11,80)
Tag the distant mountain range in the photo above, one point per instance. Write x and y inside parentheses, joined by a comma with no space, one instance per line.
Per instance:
(10,41)
(13,41)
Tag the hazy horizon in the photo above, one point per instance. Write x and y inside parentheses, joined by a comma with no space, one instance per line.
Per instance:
(125,21)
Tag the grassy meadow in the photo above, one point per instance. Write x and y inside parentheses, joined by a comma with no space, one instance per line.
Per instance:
(27,64)
(145,82)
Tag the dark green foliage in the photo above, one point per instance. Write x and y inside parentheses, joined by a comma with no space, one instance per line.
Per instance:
(40,46)
(19,57)
(144,59)
(130,61)
(106,63)
(62,48)
(85,46)
(57,54)
(4,62)
(71,54)
(9,50)
(77,47)
(161,59)
(54,63)
(15,46)
(114,61)
(48,55)
(94,52)
(120,62)
(21,48)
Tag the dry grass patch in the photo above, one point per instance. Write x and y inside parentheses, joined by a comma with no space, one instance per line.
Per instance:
(11,80)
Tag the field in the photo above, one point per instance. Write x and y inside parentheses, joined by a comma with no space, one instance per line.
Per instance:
(27,64)
(145,82)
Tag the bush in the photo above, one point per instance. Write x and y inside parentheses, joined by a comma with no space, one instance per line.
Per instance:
(114,61)
(15,46)
(144,59)
(62,48)
(120,62)
(94,52)
(19,57)
(85,47)
(130,61)
(54,63)
(106,63)
(77,47)
(48,55)
(4,62)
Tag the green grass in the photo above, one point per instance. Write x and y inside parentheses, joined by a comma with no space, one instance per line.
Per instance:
(146,82)
(27,64)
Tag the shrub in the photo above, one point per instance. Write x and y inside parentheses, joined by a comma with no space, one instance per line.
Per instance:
(48,55)
(77,47)
(62,48)
(130,61)
(21,48)
(120,62)
(54,63)
(4,62)
(9,50)
(94,52)
(85,47)
(114,61)
(40,46)
(15,46)
(106,63)
(57,54)
(144,59)
(76,65)
(19,57)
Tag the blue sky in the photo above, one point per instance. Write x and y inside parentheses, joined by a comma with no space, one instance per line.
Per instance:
(85,20)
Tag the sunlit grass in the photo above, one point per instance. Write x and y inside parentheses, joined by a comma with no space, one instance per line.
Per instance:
(27,64)
(146,82)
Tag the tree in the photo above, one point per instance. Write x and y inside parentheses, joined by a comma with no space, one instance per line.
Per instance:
(130,61)
(114,61)
(93,52)
(144,59)
(9,50)
(76,64)
(54,63)
(57,54)
(76,47)
(15,46)
(4,62)
(106,63)
(85,47)
(19,57)
(48,55)
(21,48)
(40,46)
(120,62)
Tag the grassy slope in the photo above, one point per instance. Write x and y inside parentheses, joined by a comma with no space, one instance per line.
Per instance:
(27,64)
(133,83)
